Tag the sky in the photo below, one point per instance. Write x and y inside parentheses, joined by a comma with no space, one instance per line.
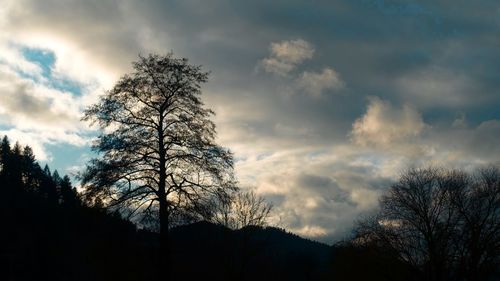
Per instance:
(324,103)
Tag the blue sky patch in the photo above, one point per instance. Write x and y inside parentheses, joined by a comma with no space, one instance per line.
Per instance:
(64,154)
(46,60)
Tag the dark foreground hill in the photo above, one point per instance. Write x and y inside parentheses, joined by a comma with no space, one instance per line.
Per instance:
(251,253)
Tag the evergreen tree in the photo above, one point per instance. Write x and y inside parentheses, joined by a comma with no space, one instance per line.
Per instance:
(47,185)
(16,166)
(30,168)
(5,160)
(69,195)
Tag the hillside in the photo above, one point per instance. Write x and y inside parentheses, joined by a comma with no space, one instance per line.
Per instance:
(251,253)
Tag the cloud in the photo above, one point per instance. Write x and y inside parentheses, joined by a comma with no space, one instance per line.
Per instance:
(35,114)
(286,56)
(313,188)
(316,83)
(465,145)
(29,105)
(293,51)
(438,87)
(313,231)
(383,125)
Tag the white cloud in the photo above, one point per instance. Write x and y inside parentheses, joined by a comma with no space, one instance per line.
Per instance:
(32,110)
(286,56)
(31,105)
(31,139)
(316,83)
(34,113)
(383,125)
(276,66)
(312,231)
(293,51)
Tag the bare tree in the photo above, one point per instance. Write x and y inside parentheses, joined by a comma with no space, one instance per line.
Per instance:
(241,209)
(478,230)
(158,158)
(443,223)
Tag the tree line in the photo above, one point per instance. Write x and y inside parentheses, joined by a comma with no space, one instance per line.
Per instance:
(49,233)
(19,169)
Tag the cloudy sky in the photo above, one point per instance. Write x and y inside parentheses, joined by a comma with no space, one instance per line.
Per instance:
(322,102)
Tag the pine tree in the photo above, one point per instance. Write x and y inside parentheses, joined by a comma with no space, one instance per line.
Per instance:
(47,185)
(30,168)
(69,195)
(5,161)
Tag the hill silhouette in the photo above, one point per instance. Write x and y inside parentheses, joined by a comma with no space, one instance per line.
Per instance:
(251,253)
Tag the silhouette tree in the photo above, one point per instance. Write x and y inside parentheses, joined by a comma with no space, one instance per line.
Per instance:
(5,160)
(48,187)
(241,209)
(158,154)
(16,166)
(477,239)
(443,223)
(69,195)
(29,169)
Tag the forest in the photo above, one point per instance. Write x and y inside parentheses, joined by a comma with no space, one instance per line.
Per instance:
(160,201)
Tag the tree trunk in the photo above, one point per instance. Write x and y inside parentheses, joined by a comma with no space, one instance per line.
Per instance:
(164,255)
(164,269)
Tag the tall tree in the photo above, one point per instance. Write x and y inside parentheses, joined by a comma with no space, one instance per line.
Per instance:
(157,147)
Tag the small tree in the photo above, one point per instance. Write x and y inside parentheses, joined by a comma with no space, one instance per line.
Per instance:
(241,209)
(158,155)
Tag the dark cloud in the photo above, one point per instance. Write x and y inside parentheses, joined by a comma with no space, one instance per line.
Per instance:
(325,187)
